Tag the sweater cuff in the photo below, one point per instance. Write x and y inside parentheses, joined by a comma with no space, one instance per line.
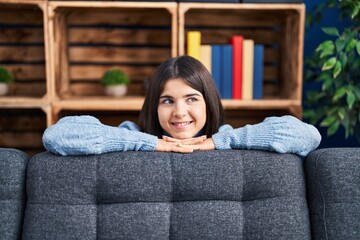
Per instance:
(128,140)
(249,137)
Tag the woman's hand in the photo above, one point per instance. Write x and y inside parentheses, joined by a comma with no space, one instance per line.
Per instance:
(197,143)
(164,146)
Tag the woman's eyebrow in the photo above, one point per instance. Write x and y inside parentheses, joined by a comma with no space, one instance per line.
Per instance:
(187,95)
(192,94)
(166,96)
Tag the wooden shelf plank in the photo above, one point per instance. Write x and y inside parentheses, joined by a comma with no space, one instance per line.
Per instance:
(23,102)
(100,103)
(111,4)
(245,6)
(260,104)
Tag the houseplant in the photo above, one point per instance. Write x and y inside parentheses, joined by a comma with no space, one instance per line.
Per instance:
(334,68)
(6,77)
(115,82)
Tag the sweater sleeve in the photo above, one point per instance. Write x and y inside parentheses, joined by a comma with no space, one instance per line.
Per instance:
(83,135)
(285,134)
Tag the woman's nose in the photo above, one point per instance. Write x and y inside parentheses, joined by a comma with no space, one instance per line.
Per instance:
(180,110)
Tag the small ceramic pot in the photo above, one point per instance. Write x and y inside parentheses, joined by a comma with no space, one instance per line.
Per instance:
(3,89)
(116,90)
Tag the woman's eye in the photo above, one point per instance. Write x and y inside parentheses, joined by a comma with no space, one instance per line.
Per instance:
(192,99)
(167,101)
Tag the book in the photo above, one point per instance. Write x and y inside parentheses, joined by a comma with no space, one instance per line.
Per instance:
(258,71)
(237,46)
(216,63)
(193,44)
(247,69)
(205,56)
(226,70)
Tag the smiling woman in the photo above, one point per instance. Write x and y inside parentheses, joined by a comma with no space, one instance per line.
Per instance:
(182,112)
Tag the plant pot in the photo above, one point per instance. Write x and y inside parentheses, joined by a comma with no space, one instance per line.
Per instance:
(116,90)
(3,89)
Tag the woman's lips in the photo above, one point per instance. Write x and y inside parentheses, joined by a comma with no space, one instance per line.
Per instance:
(181,124)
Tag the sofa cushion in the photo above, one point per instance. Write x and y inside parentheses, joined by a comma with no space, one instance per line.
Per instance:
(231,194)
(12,192)
(333,179)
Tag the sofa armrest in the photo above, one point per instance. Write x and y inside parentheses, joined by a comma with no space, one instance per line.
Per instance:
(333,184)
(12,192)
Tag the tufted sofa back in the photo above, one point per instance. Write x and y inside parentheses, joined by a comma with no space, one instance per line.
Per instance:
(237,194)
(13,164)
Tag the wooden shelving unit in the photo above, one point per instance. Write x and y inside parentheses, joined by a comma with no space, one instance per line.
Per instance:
(58,51)
(87,39)
(279,27)
(24,50)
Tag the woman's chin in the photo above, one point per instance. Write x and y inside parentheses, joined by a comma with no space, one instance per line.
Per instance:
(182,136)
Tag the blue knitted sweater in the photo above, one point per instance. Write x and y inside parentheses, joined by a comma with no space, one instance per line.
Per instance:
(82,135)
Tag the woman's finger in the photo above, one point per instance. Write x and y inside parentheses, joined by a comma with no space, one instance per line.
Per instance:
(169,139)
(164,146)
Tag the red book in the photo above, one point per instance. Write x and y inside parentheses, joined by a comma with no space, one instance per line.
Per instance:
(237,44)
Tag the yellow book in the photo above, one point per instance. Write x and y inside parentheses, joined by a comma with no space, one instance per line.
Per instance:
(193,44)
(205,56)
(248,69)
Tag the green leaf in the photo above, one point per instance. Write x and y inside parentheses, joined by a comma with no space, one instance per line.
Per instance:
(337,69)
(347,127)
(327,46)
(328,121)
(326,84)
(351,45)
(310,114)
(341,113)
(357,92)
(358,47)
(350,99)
(339,93)
(343,59)
(331,31)
(333,128)
(329,64)
(340,44)
(355,11)
(324,76)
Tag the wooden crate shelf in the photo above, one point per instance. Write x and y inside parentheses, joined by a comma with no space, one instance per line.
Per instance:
(88,39)
(22,129)
(24,49)
(279,27)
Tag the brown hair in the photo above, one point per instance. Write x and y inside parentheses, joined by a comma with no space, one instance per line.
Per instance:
(194,74)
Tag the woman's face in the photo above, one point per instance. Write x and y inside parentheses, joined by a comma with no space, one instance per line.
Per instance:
(181,109)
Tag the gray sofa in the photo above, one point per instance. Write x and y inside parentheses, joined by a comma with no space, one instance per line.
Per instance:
(237,194)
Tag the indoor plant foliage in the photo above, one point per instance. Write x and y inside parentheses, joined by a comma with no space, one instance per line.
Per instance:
(115,82)
(6,77)
(335,67)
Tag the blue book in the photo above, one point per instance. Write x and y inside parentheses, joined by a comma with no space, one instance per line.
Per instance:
(227,71)
(258,71)
(216,67)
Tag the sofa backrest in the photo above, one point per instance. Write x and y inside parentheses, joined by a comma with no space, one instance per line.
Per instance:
(13,164)
(333,184)
(232,194)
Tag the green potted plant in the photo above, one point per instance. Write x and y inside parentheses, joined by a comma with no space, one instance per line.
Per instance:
(115,82)
(335,68)
(6,77)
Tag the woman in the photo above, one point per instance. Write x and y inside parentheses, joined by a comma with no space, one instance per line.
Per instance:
(182,112)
